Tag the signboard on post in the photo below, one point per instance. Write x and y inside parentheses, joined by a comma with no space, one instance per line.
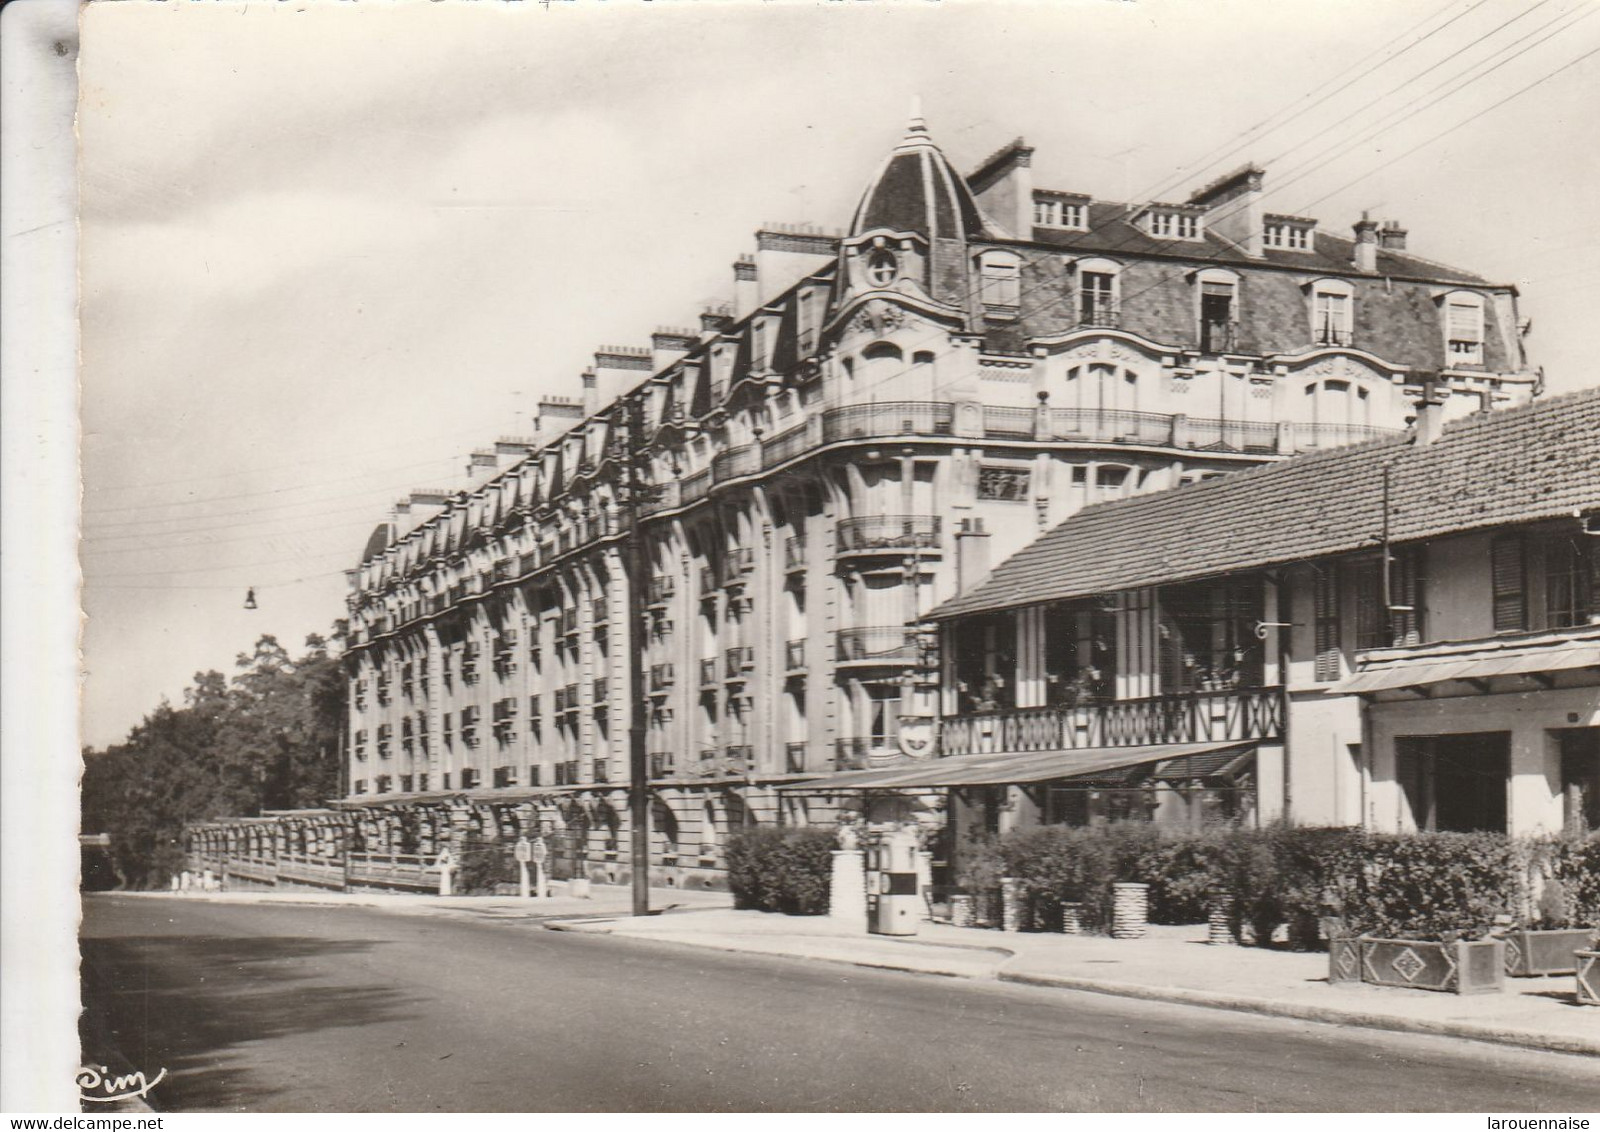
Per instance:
(523,852)
(540,852)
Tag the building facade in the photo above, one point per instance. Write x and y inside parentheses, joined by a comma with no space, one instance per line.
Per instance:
(1401,635)
(875,417)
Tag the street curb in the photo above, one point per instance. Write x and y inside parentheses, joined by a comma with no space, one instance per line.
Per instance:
(1328,1014)
(595,928)
(591,926)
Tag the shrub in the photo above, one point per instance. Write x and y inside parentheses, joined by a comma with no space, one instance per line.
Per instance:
(1061,863)
(781,870)
(484,863)
(1562,879)
(1433,885)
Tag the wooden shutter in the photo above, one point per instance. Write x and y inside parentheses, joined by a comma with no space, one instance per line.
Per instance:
(1327,623)
(1508,583)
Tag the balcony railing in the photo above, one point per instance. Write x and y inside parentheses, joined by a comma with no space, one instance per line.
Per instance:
(889,532)
(877,644)
(794,758)
(1187,717)
(740,758)
(708,670)
(795,654)
(738,562)
(794,553)
(888,418)
(785,446)
(660,677)
(662,764)
(740,659)
(661,589)
(740,461)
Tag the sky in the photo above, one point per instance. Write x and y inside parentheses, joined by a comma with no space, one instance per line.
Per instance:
(328,248)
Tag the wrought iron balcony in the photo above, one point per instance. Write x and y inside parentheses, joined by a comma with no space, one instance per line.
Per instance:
(872,533)
(877,644)
(795,655)
(794,758)
(662,764)
(1099,313)
(708,670)
(662,588)
(661,676)
(740,659)
(1238,715)
(738,562)
(887,418)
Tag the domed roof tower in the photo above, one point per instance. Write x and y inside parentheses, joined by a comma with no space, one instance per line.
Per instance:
(916,189)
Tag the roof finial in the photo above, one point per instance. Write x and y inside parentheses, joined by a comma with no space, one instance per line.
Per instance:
(916,125)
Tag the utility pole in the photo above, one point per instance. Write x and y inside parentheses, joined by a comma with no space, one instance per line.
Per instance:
(634,559)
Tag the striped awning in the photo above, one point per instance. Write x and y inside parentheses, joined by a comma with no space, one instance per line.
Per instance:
(1423,671)
(1004,769)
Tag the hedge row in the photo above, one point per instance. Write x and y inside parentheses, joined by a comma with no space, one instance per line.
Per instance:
(1305,880)
(781,870)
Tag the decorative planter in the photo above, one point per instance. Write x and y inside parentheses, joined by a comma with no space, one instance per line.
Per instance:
(1589,977)
(1219,924)
(1071,918)
(961,913)
(1130,910)
(1463,967)
(1547,952)
(1010,904)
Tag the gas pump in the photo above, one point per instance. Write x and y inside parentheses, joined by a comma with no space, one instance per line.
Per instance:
(894,904)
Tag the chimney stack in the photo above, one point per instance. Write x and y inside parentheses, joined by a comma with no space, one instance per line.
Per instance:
(591,392)
(1366,252)
(972,554)
(1003,185)
(1430,411)
(1392,237)
(668,344)
(746,287)
(1233,208)
(714,320)
(787,253)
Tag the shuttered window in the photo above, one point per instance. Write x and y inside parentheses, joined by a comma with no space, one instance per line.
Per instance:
(1367,587)
(1327,623)
(1406,593)
(1509,583)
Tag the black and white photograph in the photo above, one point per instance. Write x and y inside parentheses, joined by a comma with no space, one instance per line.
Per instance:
(844,557)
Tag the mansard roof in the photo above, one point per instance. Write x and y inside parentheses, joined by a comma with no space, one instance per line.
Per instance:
(1537,461)
(918,190)
(1109,231)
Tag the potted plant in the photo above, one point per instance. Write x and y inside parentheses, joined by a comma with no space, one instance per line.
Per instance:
(1548,944)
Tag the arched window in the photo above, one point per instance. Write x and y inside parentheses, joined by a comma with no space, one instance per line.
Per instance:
(881,361)
(882,268)
(1332,312)
(1099,297)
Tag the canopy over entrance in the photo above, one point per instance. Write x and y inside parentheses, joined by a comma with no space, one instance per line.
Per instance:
(1004,769)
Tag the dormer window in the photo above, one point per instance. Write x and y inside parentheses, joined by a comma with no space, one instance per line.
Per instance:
(1332,312)
(1054,213)
(1174,225)
(1463,329)
(1217,310)
(1000,282)
(1294,236)
(1097,292)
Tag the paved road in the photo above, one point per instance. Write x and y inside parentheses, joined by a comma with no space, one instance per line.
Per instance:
(278,1008)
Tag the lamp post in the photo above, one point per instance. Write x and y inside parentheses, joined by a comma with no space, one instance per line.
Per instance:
(634,559)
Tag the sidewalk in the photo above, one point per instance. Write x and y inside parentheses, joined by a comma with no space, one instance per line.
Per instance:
(1171,964)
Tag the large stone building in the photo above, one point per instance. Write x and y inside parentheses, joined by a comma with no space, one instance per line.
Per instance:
(874,418)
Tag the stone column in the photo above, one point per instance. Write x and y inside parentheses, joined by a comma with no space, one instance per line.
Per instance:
(847,890)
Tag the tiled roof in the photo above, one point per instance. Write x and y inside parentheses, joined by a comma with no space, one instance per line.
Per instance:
(1539,461)
(1110,233)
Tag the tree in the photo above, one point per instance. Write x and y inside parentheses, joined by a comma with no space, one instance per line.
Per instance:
(267,740)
